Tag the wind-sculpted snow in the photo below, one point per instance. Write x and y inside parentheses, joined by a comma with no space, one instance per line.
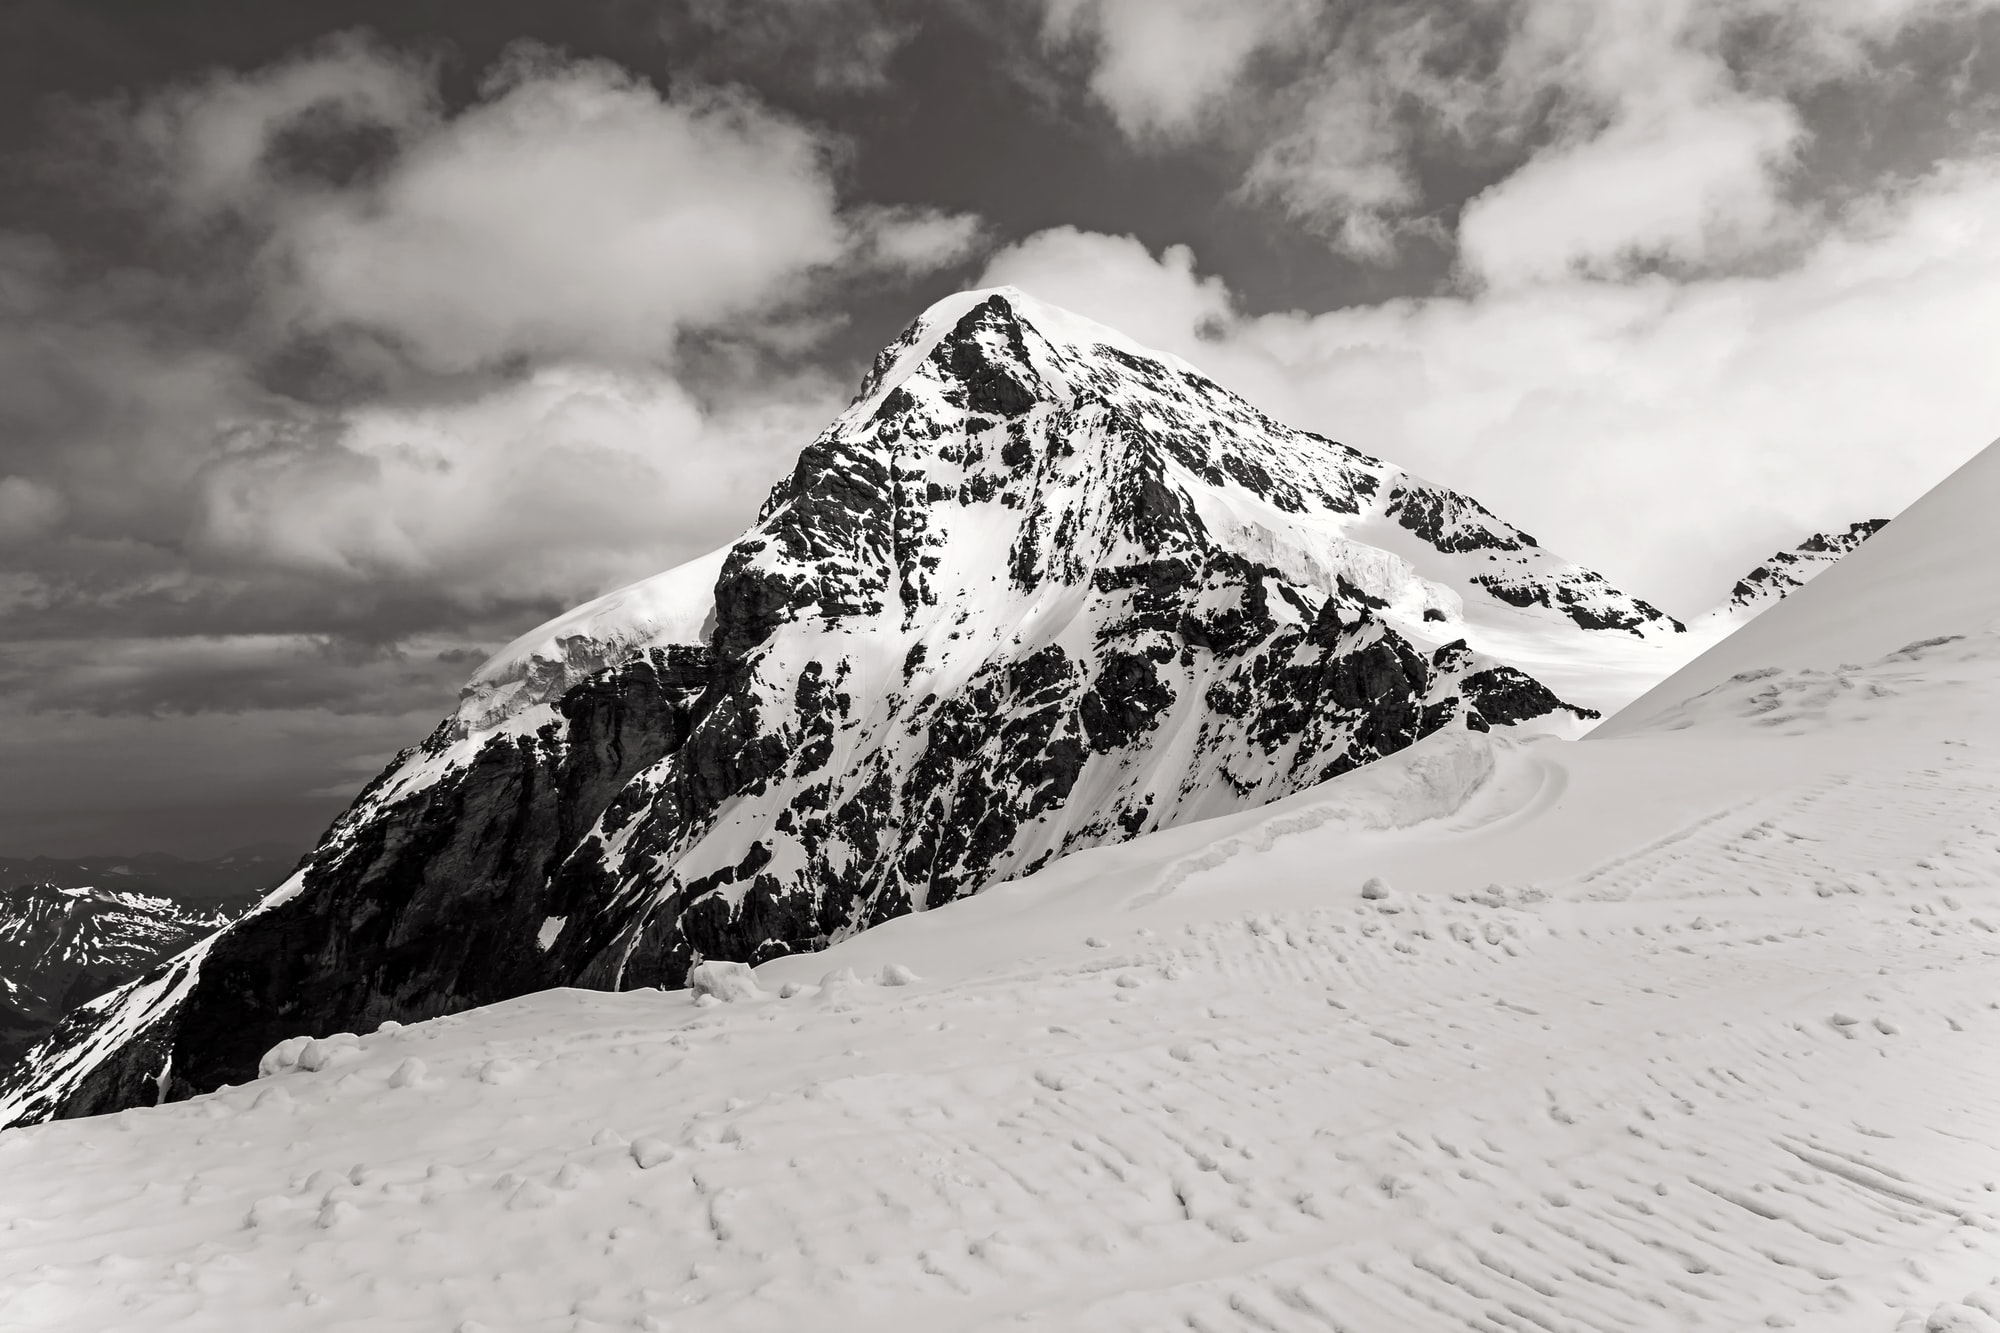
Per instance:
(1689,1032)
(1037,590)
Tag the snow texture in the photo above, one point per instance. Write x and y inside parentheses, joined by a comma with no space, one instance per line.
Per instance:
(1689,1026)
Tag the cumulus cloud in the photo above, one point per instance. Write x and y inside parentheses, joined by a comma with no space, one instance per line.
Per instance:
(573,210)
(408,366)
(1668,432)
(572,479)
(1116,281)
(1691,181)
(1611,138)
(1160,65)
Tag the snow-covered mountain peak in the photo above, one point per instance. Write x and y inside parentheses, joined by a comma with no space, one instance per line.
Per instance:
(1037,590)
(955,429)
(1049,340)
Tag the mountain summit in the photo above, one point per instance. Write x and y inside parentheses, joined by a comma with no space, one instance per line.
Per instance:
(1037,589)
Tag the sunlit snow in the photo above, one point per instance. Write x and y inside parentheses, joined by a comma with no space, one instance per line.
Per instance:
(1693,1024)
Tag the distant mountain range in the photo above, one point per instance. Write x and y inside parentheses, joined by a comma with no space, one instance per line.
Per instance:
(72,928)
(233,879)
(62,947)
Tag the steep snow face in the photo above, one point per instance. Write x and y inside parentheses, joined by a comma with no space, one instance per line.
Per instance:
(60,947)
(1926,575)
(1036,590)
(677,607)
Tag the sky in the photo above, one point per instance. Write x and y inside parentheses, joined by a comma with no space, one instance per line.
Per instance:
(341,343)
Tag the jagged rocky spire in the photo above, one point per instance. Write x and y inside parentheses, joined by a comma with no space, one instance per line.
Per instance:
(1790,569)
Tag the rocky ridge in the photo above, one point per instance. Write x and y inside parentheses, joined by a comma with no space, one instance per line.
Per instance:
(1038,589)
(62,947)
(1791,569)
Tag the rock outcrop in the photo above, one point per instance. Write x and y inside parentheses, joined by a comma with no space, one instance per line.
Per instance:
(1791,569)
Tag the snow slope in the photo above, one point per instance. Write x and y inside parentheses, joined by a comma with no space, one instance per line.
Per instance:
(1689,1027)
(1928,573)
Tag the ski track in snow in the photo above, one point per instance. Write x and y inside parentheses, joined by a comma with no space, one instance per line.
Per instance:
(1742,1075)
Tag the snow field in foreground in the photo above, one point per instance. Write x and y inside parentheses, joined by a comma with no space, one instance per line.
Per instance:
(1690,1030)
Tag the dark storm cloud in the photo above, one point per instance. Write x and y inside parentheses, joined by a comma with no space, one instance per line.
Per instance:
(236,673)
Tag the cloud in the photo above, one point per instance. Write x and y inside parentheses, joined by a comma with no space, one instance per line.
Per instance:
(1607,138)
(1114,280)
(405,366)
(220,143)
(570,480)
(1160,65)
(228,674)
(28,510)
(1692,182)
(1669,432)
(573,210)
(909,239)
(831,46)
(189,783)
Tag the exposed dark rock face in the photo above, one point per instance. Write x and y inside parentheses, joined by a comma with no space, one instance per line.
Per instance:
(1033,592)
(1581,599)
(1788,570)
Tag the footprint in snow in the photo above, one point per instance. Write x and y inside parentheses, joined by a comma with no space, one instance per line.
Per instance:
(650,1152)
(1957,1318)
(531,1194)
(267,1210)
(336,1213)
(274,1099)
